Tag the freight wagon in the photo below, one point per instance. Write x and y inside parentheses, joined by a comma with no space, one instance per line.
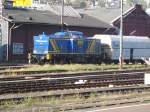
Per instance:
(134,48)
(66,47)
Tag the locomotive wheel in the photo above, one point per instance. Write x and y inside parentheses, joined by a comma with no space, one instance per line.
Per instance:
(142,62)
(41,62)
(126,61)
(116,62)
(34,60)
(99,62)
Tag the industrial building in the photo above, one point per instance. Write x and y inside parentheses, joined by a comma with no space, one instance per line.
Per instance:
(20,25)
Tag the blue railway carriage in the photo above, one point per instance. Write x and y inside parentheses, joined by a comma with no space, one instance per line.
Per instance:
(66,48)
(135,48)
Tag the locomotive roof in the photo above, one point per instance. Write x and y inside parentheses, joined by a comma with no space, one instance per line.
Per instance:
(69,32)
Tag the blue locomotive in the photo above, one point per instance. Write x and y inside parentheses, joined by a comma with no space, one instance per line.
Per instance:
(66,47)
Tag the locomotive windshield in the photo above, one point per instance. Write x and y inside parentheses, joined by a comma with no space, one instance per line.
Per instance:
(68,34)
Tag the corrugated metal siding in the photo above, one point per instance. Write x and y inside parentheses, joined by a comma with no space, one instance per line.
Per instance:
(0,42)
(4,40)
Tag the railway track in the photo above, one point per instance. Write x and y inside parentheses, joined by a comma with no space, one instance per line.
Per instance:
(25,73)
(10,67)
(86,92)
(17,88)
(45,86)
(52,82)
(34,75)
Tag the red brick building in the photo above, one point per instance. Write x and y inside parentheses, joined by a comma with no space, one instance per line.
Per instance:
(135,22)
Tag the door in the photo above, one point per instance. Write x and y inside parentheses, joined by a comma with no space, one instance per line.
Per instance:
(131,54)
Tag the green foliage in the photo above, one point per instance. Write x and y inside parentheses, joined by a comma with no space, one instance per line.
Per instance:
(7,104)
(133,2)
(71,101)
(68,2)
(130,2)
(143,3)
(69,68)
(101,3)
(83,4)
(28,101)
(93,94)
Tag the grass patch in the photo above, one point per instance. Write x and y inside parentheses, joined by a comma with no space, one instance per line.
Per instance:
(72,68)
(76,99)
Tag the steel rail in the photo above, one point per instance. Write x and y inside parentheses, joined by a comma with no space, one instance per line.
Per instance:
(50,78)
(49,75)
(86,92)
(69,82)
(12,67)
(45,85)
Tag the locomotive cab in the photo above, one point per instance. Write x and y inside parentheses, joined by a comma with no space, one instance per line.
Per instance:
(40,49)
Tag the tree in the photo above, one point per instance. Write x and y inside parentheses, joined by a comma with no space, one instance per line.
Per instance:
(133,2)
(101,3)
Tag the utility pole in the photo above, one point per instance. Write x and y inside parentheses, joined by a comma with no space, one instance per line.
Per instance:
(62,14)
(121,37)
(1,21)
(1,10)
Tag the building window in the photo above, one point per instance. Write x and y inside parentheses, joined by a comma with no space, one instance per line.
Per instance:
(17,48)
(36,1)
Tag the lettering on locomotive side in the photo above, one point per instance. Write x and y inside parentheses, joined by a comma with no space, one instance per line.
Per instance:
(41,41)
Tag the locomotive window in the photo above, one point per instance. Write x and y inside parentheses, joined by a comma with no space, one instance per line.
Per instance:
(17,48)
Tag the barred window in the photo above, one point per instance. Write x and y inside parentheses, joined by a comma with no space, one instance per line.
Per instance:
(17,48)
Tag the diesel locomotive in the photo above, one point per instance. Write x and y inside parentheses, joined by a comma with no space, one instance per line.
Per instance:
(66,47)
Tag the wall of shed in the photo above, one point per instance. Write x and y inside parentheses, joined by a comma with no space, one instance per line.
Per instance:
(24,34)
(135,23)
(4,40)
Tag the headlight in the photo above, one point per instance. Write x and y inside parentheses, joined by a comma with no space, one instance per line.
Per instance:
(45,52)
(34,51)
(43,57)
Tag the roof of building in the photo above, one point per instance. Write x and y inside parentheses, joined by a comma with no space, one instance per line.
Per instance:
(110,15)
(133,11)
(68,10)
(105,14)
(48,17)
